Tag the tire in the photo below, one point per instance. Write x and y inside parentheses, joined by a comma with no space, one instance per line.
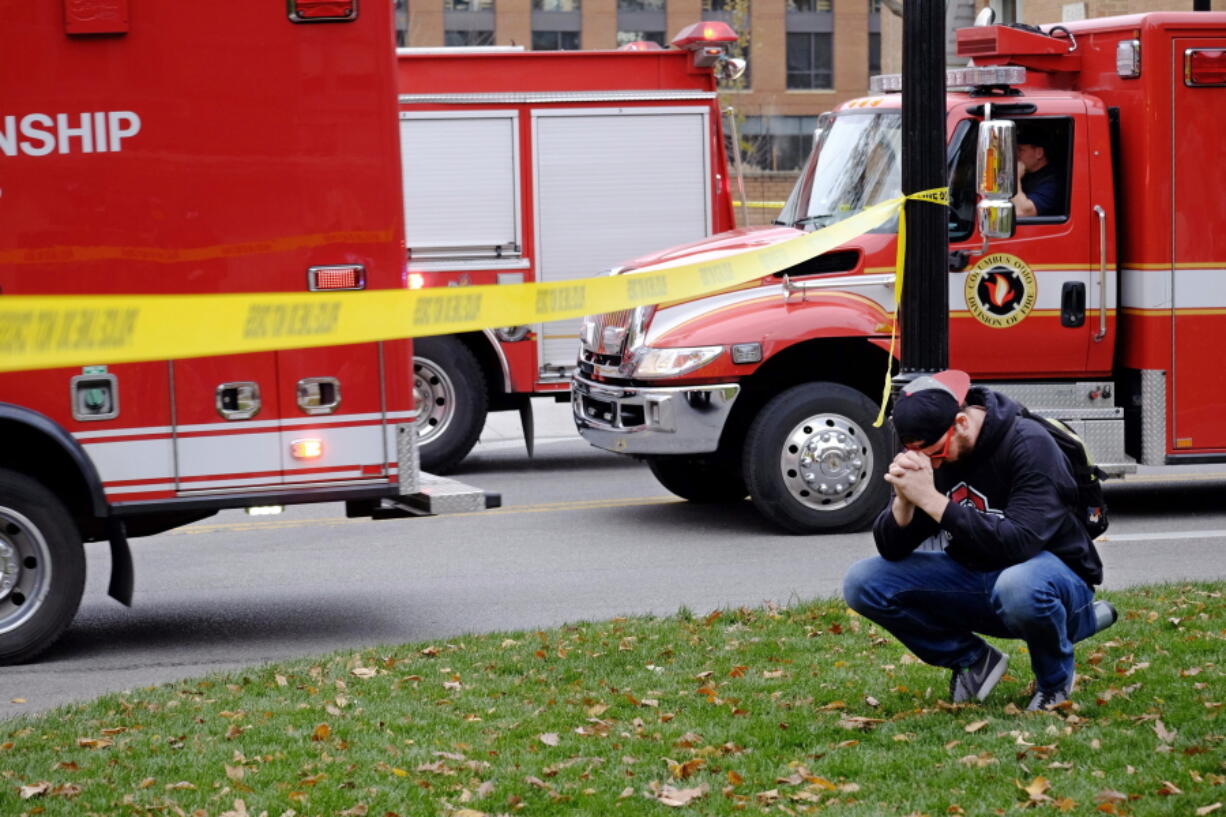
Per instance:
(42,568)
(813,461)
(449,391)
(702,480)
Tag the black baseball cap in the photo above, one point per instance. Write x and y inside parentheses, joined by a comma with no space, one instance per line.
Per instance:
(926,407)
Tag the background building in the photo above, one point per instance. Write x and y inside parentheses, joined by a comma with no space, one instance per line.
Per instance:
(804,56)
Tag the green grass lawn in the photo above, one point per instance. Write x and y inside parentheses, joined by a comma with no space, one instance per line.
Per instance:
(807,709)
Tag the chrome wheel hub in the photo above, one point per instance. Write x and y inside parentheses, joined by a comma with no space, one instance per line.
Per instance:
(826,461)
(434,396)
(10,567)
(25,569)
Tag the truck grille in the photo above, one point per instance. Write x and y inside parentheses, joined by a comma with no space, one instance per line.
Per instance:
(610,333)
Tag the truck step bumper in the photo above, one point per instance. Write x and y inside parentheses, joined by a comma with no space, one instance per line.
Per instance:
(660,420)
(440,495)
(434,496)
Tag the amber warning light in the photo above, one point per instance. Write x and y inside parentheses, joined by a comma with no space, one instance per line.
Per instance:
(308,449)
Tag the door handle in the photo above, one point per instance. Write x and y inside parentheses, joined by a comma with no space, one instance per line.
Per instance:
(1073,304)
(1102,273)
(238,401)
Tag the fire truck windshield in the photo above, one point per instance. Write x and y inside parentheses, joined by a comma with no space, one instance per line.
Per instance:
(855,164)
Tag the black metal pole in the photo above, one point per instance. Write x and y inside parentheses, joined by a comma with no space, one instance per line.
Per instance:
(924,311)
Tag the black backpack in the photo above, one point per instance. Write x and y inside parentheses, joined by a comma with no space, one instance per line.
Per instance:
(1091,506)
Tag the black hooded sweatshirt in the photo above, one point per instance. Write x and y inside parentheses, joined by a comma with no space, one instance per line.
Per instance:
(1011,498)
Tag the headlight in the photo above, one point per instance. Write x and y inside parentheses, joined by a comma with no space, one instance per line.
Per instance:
(674,362)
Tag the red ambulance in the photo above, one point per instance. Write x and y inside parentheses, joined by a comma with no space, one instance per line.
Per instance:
(1102,310)
(176,148)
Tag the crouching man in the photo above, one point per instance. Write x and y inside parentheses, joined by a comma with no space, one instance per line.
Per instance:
(980,538)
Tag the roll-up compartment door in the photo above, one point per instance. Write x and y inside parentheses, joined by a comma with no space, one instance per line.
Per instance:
(612,184)
(461,191)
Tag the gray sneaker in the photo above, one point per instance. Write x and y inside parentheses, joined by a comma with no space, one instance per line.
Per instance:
(1104,615)
(977,680)
(1045,699)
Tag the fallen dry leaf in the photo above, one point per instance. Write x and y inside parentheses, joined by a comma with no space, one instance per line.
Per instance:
(1165,735)
(680,771)
(1037,789)
(626,792)
(549,738)
(1110,796)
(1209,809)
(363,672)
(980,760)
(671,796)
(35,790)
(358,810)
(975,727)
(1168,788)
(182,785)
(321,733)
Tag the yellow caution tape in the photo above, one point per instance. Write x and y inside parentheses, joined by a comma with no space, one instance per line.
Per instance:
(765,205)
(938,195)
(48,331)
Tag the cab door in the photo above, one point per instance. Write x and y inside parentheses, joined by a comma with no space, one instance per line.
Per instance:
(1034,305)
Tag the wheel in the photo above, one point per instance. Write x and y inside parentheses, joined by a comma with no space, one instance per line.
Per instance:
(449,391)
(700,479)
(42,568)
(813,462)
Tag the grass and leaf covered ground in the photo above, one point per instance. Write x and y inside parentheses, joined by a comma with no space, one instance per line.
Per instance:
(798,710)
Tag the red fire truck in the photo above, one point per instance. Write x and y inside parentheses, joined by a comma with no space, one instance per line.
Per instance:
(166,148)
(525,167)
(1100,310)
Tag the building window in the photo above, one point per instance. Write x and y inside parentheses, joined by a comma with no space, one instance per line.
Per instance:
(468,22)
(555,40)
(777,142)
(810,61)
(874,37)
(467,37)
(556,25)
(641,20)
(810,36)
(401,11)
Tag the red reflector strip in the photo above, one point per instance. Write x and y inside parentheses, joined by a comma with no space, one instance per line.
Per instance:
(323,9)
(331,278)
(1205,66)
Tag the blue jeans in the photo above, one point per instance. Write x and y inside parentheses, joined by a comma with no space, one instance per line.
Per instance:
(935,606)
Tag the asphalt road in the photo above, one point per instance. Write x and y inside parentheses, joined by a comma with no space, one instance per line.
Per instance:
(583,535)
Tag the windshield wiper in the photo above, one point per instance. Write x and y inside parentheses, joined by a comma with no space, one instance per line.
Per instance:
(812,219)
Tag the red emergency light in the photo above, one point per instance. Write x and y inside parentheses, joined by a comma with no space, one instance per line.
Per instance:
(1204,66)
(323,11)
(707,32)
(344,276)
(642,45)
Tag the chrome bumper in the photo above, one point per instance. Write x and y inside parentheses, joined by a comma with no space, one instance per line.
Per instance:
(662,420)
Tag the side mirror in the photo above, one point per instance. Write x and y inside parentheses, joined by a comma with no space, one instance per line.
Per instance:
(996,170)
(996,218)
